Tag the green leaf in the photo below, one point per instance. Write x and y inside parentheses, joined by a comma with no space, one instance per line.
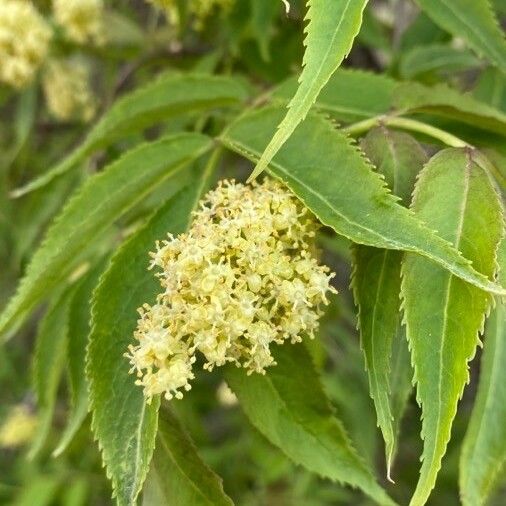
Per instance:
(444,315)
(484,448)
(178,474)
(339,185)
(436,58)
(350,95)
(159,101)
(376,286)
(333,24)
(124,425)
(491,89)
(49,360)
(78,332)
(474,21)
(444,101)
(97,204)
(288,406)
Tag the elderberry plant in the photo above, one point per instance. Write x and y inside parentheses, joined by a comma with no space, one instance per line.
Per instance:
(252,252)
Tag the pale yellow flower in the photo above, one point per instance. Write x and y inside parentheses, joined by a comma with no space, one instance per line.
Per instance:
(18,427)
(82,20)
(24,41)
(242,278)
(67,90)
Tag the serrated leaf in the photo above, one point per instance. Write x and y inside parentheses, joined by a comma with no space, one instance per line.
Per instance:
(101,200)
(333,25)
(445,101)
(472,20)
(49,360)
(340,187)
(288,406)
(123,423)
(443,315)
(484,448)
(178,474)
(78,331)
(436,58)
(376,286)
(350,95)
(168,96)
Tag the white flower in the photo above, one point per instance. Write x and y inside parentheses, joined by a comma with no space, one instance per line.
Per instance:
(242,278)
(24,41)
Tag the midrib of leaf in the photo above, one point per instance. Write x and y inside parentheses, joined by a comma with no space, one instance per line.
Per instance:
(313,83)
(254,155)
(458,237)
(326,55)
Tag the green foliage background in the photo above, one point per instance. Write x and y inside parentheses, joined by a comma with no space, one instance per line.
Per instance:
(394,137)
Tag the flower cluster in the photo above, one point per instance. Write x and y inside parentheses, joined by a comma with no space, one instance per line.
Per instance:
(18,427)
(199,10)
(24,40)
(67,90)
(81,19)
(242,278)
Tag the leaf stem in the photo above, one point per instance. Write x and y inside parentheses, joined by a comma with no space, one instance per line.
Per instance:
(406,124)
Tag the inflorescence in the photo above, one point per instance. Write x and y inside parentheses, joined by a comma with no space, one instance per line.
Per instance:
(24,42)
(243,277)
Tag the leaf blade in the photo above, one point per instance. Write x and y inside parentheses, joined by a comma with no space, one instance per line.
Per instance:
(181,475)
(484,448)
(292,411)
(333,25)
(443,315)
